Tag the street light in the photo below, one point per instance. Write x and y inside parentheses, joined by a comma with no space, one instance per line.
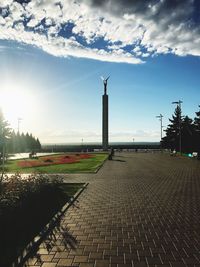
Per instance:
(19,121)
(161,125)
(178,103)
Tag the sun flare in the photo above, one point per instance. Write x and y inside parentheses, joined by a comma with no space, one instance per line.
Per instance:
(16,102)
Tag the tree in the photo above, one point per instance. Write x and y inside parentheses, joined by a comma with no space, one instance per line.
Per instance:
(38,144)
(172,138)
(5,133)
(188,132)
(197,132)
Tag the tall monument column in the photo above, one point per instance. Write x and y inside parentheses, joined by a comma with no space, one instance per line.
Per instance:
(105,116)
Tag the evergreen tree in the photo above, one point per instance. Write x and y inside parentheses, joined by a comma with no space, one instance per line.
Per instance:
(22,143)
(172,138)
(38,144)
(188,133)
(11,143)
(28,142)
(197,132)
(5,133)
(17,143)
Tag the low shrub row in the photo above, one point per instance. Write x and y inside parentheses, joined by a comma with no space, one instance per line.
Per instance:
(26,206)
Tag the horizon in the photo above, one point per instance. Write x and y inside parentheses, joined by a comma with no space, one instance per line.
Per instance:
(53,55)
(98,143)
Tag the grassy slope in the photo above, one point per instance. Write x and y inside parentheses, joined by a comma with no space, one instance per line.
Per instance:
(85,165)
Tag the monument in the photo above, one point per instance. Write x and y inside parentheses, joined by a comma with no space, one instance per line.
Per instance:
(105,116)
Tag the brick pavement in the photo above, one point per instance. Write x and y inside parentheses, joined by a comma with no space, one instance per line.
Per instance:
(140,209)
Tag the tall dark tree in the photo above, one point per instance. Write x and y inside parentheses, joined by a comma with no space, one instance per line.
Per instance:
(19,143)
(38,144)
(187,133)
(172,138)
(5,133)
(197,132)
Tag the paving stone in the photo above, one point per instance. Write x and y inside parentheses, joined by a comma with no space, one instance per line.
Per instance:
(102,263)
(86,264)
(65,262)
(96,255)
(48,264)
(80,259)
(46,257)
(62,255)
(139,210)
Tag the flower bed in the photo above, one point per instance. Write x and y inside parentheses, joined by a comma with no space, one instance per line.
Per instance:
(53,160)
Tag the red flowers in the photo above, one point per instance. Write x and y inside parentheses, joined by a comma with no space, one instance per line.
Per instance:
(53,160)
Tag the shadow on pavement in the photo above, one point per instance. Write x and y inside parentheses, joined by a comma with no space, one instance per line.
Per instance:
(120,160)
(57,236)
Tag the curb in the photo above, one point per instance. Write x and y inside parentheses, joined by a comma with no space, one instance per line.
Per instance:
(100,166)
(34,244)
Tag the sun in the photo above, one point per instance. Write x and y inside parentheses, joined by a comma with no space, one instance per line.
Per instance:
(16,102)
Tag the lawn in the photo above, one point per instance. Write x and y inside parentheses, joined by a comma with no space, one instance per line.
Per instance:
(63,163)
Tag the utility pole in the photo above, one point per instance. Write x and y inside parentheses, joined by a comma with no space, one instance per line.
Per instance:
(178,103)
(18,123)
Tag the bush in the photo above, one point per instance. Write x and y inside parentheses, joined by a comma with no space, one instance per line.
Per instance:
(23,202)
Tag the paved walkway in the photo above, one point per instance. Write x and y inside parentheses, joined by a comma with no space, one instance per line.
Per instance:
(140,209)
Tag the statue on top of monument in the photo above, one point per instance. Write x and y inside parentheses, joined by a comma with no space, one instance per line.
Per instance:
(105,84)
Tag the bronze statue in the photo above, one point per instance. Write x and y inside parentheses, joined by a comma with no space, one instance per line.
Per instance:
(105,84)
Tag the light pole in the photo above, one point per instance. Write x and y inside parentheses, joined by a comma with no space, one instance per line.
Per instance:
(18,123)
(161,125)
(178,103)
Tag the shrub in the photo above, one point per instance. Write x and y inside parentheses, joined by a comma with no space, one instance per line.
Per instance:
(22,202)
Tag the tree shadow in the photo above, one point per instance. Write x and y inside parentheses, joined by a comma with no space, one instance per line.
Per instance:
(120,160)
(49,237)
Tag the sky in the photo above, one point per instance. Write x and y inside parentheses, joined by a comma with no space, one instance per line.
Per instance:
(53,53)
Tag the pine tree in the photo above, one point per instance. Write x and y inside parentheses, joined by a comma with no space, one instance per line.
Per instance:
(188,133)
(172,138)
(197,132)
(38,144)
(5,133)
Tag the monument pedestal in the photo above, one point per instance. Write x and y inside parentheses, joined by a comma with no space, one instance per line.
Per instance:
(105,122)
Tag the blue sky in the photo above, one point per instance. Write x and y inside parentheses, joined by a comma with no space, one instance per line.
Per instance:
(51,63)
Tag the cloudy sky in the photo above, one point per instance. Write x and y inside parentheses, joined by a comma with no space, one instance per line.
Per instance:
(52,54)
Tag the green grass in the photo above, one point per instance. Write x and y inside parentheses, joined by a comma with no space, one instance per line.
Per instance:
(84,166)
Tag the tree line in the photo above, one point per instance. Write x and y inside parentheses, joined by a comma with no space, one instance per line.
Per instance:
(183,133)
(20,142)
(11,142)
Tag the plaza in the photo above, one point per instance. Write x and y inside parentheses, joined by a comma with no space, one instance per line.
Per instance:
(139,210)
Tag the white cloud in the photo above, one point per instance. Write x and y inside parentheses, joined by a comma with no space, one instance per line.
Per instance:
(5,3)
(149,29)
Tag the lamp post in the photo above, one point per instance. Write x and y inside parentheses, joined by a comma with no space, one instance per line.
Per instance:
(18,123)
(161,125)
(178,103)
